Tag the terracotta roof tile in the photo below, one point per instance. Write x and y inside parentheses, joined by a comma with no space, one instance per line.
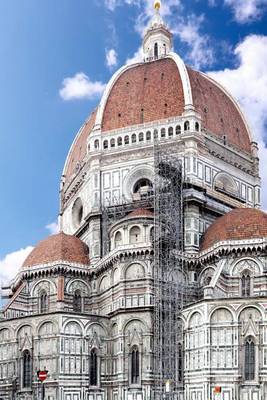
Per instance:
(156,88)
(60,247)
(238,224)
(140,212)
(219,114)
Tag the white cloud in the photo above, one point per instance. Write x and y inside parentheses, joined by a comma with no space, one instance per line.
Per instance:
(247,10)
(80,87)
(187,27)
(111,58)
(11,263)
(248,84)
(53,228)
(112,4)
(136,58)
(200,51)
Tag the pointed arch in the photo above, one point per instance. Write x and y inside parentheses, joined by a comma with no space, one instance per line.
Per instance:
(43,302)
(135,365)
(77,301)
(249,359)
(93,368)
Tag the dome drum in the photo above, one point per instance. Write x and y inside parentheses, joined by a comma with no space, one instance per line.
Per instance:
(136,228)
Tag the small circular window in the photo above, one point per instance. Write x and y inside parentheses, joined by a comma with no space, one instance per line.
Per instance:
(77,212)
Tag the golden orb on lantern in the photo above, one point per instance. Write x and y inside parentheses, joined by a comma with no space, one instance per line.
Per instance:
(157,5)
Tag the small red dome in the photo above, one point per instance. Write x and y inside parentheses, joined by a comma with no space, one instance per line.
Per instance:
(238,224)
(141,212)
(60,247)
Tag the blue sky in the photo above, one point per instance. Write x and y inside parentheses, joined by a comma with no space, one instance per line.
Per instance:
(56,57)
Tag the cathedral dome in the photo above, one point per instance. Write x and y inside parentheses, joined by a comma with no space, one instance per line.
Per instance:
(160,90)
(59,247)
(238,224)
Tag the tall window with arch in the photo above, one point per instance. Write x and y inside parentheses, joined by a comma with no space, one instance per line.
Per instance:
(156,50)
(118,239)
(26,369)
(93,368)
(135,234)
(245,284)
(135,365)
(77,301)
(186,126)
(249,359)
(43,302)
(96,144)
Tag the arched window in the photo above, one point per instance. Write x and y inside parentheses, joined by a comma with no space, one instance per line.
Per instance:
(170,131)
(197,126)
(156,134)
(143,186)
(43,302)
(133,138)
(96,144)
(186,126)
(148,135)
(105,144)
(156,50)
(249,359)
(135,368)
(119,141)
(77,301)
(164,48)
(112,143)
(178,129)
(93,367)
(118,239)
(245,285)
(163,132)
(135,234)
(141,137)
(126,140)
(27,369)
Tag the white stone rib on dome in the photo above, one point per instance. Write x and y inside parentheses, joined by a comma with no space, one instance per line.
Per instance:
(188,98)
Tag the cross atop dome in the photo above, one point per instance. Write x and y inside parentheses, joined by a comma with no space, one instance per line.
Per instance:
(157,42)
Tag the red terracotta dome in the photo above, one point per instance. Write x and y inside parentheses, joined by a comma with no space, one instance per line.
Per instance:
(59,247)
(141,212)
(238,224)
(78,149)
(144,93)
(158,90)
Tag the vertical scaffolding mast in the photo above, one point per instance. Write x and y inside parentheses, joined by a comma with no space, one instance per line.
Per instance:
(169,277)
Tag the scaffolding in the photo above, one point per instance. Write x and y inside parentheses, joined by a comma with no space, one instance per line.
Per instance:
(171,290)
(169,275)
(118,209)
